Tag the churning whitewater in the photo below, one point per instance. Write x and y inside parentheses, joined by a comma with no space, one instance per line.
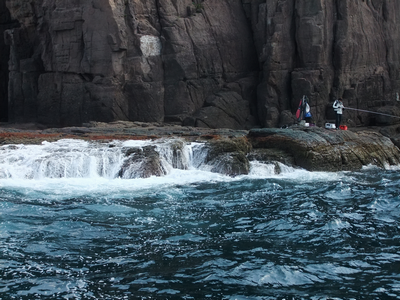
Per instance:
(86,220)
(81,159)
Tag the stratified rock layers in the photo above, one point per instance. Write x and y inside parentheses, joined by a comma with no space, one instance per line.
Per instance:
(225,63)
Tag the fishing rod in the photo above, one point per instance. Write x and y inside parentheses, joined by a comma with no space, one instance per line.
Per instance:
(372,112)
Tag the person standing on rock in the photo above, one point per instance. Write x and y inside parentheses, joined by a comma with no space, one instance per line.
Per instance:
(307,111)
(303,112)
(338,107)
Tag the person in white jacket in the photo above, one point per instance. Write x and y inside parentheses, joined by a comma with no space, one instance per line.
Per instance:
(338,107)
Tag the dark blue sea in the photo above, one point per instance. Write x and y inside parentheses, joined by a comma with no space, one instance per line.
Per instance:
(70,228)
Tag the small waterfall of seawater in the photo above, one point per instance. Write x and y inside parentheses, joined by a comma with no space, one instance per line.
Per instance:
(82,159)
(70,158)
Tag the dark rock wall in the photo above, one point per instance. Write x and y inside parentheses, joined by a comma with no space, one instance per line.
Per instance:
(206,63)
(326,49)
(5,23)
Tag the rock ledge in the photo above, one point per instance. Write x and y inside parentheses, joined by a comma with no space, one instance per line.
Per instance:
(231,151)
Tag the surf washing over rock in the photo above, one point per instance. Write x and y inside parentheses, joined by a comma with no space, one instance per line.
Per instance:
(82,159)
(274,150)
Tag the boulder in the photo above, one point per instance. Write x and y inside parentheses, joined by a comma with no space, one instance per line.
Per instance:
(228,156)
(141,163)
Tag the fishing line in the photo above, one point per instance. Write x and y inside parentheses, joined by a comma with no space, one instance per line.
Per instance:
(372,112)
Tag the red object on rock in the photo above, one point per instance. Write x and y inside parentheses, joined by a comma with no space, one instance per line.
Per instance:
(343,127)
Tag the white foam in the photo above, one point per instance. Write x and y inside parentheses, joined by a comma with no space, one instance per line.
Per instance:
(81,159)
(279,170)
(259,169)
(392,167)
(64,188)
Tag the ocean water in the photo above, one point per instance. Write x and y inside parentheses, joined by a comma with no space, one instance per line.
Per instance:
(70,228)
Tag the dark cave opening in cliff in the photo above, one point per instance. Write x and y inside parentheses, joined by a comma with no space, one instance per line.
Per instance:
(4,87)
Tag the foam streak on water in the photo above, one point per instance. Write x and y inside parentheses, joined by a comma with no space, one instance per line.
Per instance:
(192,234)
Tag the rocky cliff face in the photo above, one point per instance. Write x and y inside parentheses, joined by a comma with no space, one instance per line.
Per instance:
(225,63)
(5,23)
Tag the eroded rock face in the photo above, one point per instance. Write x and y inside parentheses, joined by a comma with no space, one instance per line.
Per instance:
(225,63)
